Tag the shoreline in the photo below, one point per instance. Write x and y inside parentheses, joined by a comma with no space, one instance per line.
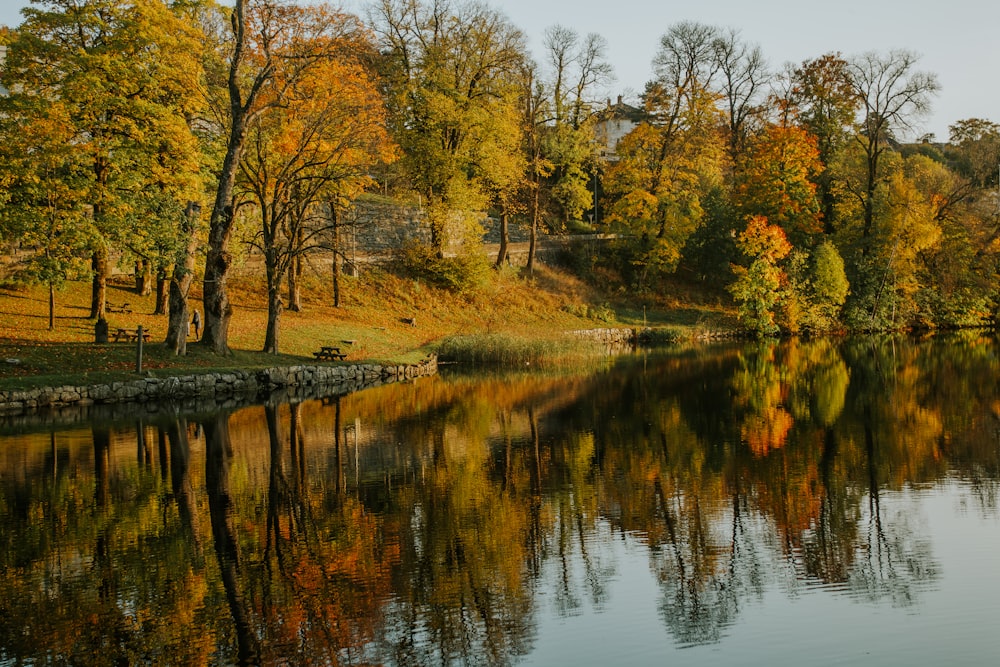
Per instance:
(240,386)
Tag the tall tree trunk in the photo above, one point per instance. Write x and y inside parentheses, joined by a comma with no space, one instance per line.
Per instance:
(99,288)
(295,275)
(180,285)
(99,258)
(274,305)
(215,296)
(828,201)
(177,321)
(52,306)
(143,278)
(437,219)
(335,220)
(162,291)
(274,310)
(504,239)
(218,309)
(534,226)
(218,452)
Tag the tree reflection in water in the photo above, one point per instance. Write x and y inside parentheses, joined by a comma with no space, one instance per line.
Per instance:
(438,522)
(218,455)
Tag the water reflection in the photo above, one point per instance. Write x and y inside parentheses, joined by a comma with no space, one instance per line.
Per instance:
(447,521)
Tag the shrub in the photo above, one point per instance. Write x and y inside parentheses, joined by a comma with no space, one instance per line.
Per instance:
(461,273)
(829,280)
(603,313)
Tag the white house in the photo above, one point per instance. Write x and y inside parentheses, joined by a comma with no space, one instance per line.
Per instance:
(613,123)
(3,59)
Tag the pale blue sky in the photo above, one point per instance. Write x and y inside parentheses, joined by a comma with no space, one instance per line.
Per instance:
(958,40)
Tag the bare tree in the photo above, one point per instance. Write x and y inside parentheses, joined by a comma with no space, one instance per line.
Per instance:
(559,42)
(744,77)
(892,95)
(684,66)
(593,71)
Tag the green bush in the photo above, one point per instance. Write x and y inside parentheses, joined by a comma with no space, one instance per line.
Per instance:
(830,284)
(461,273)
(603,313)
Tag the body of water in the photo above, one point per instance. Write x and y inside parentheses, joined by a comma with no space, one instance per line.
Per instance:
(818,502)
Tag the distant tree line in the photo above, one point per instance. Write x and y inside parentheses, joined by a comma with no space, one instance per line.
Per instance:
(151,131)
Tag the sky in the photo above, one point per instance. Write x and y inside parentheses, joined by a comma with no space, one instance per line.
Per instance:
(957,40)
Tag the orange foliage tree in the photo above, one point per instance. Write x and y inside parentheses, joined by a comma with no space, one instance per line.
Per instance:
(778,181)
(757,288)
(311,155)
(274,48)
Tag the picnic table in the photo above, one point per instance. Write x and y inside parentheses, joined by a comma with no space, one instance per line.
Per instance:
(123,308)
(329,353)
(129,335)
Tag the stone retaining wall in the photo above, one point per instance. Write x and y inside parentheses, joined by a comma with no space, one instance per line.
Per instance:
(239,385)
(375,229)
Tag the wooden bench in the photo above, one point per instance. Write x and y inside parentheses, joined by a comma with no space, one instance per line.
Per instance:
(130,335)
(328,353)
(123,308)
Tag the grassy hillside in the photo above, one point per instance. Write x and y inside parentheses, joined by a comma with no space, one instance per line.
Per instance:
(372,315)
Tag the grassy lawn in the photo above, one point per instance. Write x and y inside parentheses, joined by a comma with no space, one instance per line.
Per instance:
(374,315)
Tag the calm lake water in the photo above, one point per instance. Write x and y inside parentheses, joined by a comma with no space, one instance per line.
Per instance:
(794,503)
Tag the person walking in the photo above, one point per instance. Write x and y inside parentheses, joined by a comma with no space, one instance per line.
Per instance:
(196,323)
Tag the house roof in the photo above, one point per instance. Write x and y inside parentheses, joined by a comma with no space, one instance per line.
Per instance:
(621,111)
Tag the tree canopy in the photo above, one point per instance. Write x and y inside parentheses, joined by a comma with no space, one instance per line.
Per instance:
(121,117)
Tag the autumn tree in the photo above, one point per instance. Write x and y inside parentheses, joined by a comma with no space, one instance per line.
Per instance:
(757,288)
(121,76)
(825,103)
(777,180)
(891,95)
(43,211)
(577,68)
(828,287)
(974,154)
(450,72)
(976,150)
(308,157)
(271,46)
(667,164)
